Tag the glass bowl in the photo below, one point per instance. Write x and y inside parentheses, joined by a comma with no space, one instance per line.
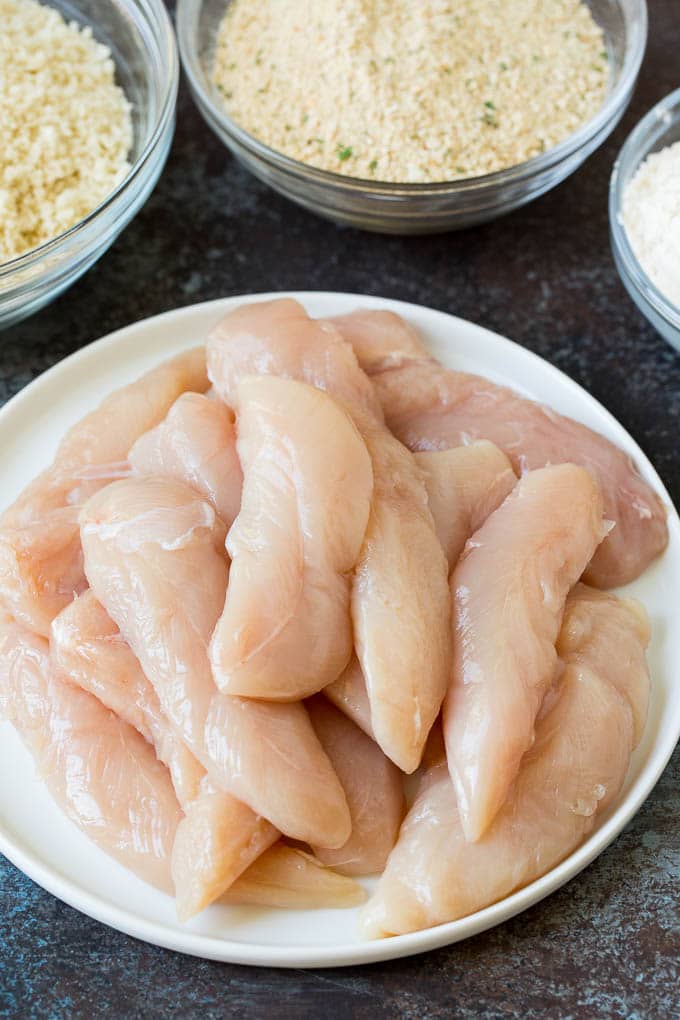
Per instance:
(140,36)
(659,128)
(414,208)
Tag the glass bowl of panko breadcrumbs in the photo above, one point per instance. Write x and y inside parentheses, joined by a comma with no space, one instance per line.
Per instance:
(88,90)
(412,116)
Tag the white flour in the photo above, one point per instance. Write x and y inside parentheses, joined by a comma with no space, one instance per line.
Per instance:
(651,216)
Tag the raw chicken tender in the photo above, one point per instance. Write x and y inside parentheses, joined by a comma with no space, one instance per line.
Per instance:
(464,485)
(155,559)
(279,338)
(88,650)
(286,630)
(349,694)
(609,636)
(429,407)
(400,599)
(40,556)
(509,590)
(100,771)
(218,837)
(373,786)
(196,444)
(572,774)
(401,606)
(276,764)
(216,841)
(287,877)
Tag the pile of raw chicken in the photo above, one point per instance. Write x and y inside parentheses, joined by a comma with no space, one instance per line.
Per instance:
(275,575)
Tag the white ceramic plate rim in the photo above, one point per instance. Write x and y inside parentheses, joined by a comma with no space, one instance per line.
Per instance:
(344,953)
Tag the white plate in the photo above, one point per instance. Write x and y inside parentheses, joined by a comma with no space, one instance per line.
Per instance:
(38,838)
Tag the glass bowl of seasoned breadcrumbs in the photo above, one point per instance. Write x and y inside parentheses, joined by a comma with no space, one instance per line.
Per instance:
(87,108)
(412,116)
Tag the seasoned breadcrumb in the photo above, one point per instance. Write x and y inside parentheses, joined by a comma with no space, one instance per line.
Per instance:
(65,126)
(410,90)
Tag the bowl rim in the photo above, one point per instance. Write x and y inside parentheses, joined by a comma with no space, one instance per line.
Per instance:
(160,25)
(635,150)
(537,165)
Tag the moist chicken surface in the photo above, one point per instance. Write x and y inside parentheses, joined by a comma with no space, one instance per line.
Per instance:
(430,407)
(401,570)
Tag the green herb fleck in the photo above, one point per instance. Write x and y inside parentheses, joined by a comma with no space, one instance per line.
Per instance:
(461,170)
(305,118)
(536,58)
(604,54)
(319,141)
(344,152)
(489,119)
(232,66)
(489,105)
(372,165)
(504,66)
(287,127)
(258,57)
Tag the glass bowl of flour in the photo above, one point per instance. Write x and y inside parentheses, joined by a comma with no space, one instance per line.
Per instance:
(644,215)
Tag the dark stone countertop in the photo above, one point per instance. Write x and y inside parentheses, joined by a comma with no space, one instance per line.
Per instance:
(608,943)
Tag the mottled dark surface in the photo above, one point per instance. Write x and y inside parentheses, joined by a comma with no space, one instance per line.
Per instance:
(608,943)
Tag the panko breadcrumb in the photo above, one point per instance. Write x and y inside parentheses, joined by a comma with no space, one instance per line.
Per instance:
(65,126)
(411,90)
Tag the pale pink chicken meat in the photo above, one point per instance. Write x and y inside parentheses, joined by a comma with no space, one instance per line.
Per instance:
(196,444)
(349,694)
(401,606)
(509,590)
(286,630)
(100,771)
(279,338)
(155,559)
(400,599)
(87,649)
(373,786)
(276,763)
(571,775)
(429,407)
(216,841)
(40,556)
(464,485)
(286,876)
(218,837)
